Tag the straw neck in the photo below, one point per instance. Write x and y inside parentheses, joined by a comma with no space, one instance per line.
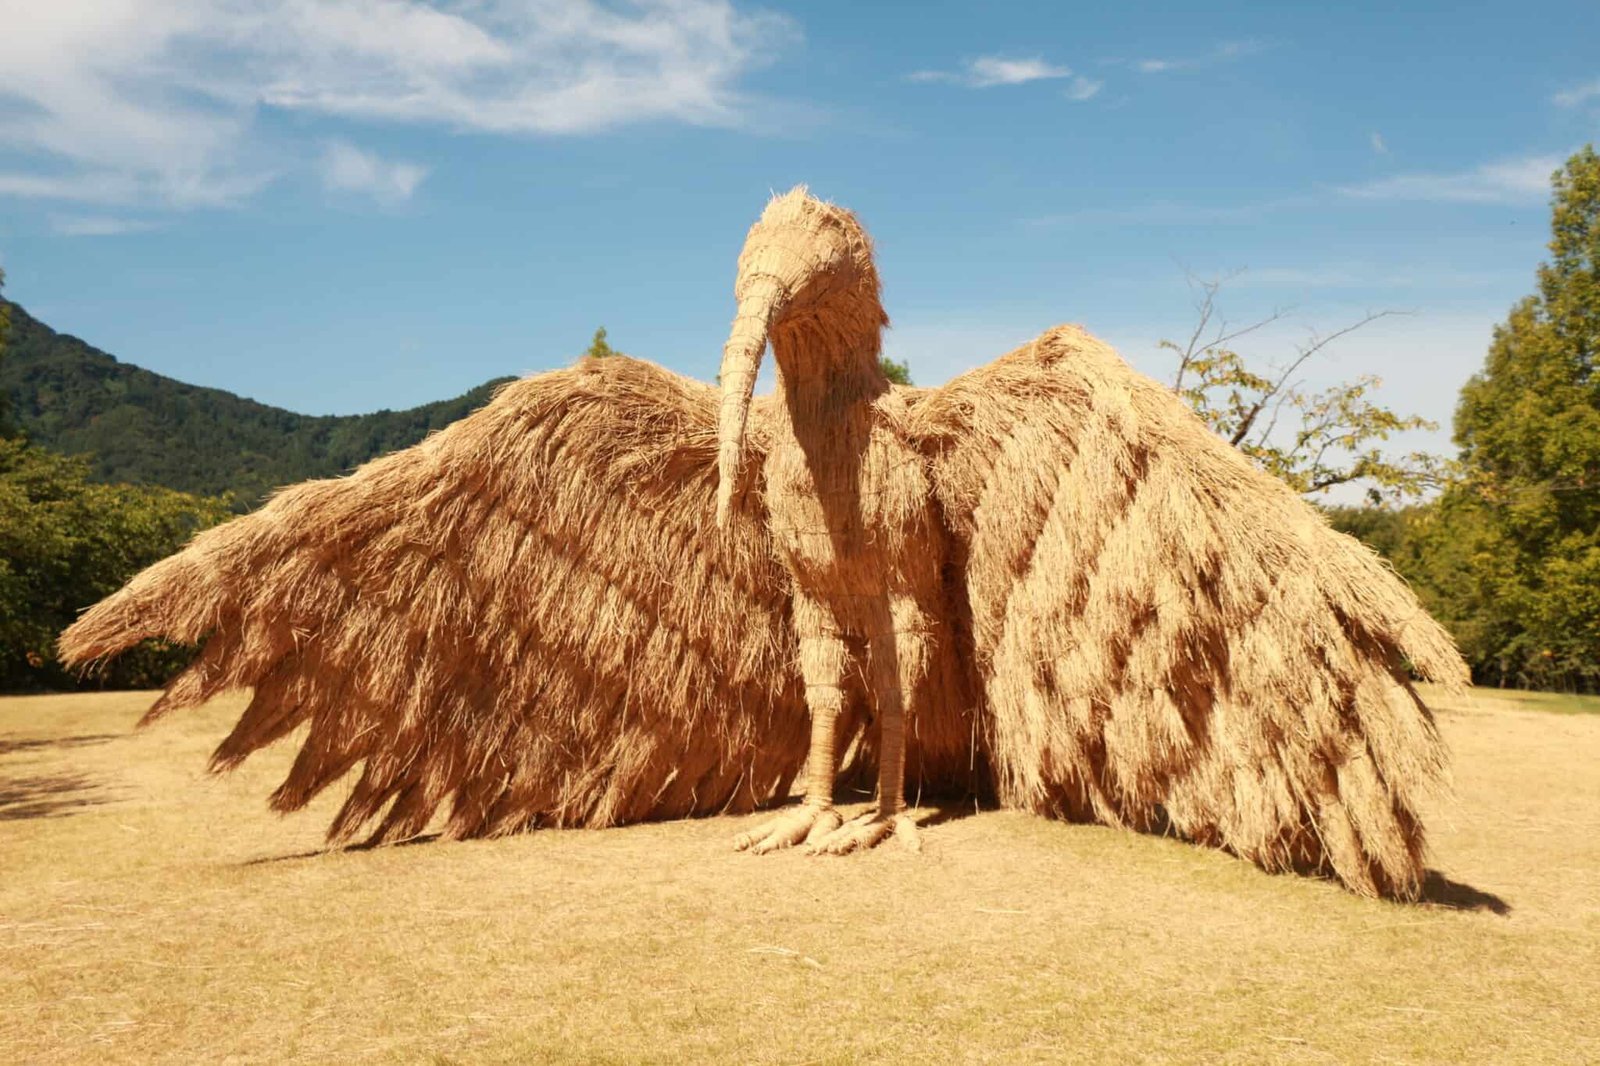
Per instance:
(824,378)
(824,365)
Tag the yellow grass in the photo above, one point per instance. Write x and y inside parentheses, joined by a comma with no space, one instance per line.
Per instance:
(151,913)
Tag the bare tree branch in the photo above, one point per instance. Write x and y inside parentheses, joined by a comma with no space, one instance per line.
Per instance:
(1332,427)
(1205,310)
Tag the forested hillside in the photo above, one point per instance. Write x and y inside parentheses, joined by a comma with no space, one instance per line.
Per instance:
(143,428)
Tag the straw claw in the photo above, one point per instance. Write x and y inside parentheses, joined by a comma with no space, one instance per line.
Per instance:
(868,831)
(806,824)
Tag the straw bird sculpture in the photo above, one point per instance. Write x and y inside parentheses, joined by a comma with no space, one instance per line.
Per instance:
(611,595)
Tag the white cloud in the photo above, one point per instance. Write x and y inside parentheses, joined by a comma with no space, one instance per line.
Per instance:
(988,71)
(346,168)
(1578,94)
(540,68)
(1379,145)
(1508,181)
(98,225)
(153,101)
(995,70)
(1083,89)
(1225,52)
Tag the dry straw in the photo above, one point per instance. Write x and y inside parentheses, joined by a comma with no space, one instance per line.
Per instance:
(1046,580)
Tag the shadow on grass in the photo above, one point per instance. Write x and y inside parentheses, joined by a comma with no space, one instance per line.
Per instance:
(1437,889)
(939,814)
(365,845)
(1440,891)
(48,796)
(14,746)
(928,815)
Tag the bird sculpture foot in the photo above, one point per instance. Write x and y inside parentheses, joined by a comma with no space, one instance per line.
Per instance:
(868,831)
(808,823)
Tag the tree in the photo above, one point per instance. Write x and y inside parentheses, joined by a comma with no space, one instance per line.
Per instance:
(598,348)
(6,428)
(898,373)
(1315,441)
(66,542)
(1528,426)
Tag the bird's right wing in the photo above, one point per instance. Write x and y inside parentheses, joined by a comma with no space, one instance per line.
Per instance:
(530,618)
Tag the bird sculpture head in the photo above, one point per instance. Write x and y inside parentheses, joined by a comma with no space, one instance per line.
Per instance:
(806,284)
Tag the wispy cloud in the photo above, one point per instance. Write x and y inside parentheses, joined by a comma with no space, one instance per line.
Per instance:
(1379,145)
(152,102)
(1507,181)
(1225,52)
(1083,89)
(98,225)
(986,72)
(1170,213)
(1578,94)
(128,185)
(346,168)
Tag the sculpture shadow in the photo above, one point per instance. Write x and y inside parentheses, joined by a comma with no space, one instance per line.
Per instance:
(936,814)
(49,796)
(1440,891)
(19,745)
(365,845)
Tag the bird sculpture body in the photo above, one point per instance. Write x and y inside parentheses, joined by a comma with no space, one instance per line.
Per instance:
(846,496)
(616,594)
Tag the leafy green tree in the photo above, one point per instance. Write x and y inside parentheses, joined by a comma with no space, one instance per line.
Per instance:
(1386,530)
(1528,426)
(898,373)
(6,428)
(66,542)
(599,348)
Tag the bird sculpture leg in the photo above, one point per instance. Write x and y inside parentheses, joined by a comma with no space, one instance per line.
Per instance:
(822,660)
(898,663)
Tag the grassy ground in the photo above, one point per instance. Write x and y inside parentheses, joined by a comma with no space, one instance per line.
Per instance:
(151,913)
(1554,702)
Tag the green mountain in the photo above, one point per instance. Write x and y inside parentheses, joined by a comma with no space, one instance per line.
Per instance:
(144,428)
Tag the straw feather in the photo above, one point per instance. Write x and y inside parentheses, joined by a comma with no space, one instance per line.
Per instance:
(1098,609)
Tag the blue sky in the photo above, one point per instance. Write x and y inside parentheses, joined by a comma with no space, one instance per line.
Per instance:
(348,205)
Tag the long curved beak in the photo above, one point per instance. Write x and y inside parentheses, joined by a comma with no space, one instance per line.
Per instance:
(741,362)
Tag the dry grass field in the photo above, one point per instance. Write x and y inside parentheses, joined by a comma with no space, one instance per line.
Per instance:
(150,913)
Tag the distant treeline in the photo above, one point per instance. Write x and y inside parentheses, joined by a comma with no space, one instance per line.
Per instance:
(142,428)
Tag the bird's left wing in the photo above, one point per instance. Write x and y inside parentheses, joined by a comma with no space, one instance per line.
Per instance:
(1168,638)
(530,618)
